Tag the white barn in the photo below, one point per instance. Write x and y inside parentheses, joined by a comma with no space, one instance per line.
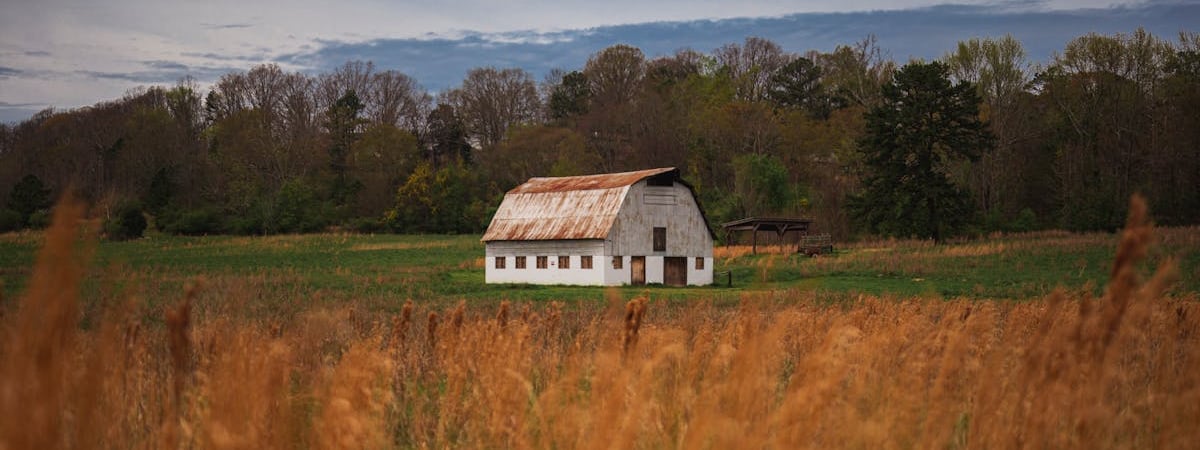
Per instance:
(609,229)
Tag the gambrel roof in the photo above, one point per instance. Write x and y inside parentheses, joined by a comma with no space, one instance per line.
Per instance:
(580,207)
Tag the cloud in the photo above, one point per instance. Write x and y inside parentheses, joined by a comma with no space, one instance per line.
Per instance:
(36,53)
(4,104)
(225,26)
(440,61)
(226,57)
(6,72)
(161,72)
(165,65)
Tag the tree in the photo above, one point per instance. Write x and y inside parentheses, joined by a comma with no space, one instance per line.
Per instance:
(396,99)
(493,100)
(614,75)
(751,66)
(855,73)
(445,200)
(922,124)
(1177,172)
(538,151)
(569,97)
(798,85)
(1001,75)
(344,129)
(126,223)
(381,160)
(29,196)
(1106,130)
(446,136)
(762,185)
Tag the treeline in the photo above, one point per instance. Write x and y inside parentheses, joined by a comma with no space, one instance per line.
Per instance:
(757,130)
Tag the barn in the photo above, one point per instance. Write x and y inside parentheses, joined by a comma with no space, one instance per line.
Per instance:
(609,229)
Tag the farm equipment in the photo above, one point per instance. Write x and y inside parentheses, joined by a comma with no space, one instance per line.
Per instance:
(816,244)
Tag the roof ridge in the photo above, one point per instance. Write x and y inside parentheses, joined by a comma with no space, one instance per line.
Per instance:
(571,183)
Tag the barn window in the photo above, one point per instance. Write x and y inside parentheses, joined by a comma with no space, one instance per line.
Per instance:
(499,262)
(666,179)
(618,262)
(520,262)
(660,239)
(543,262)
(564,262)
(585,262)
(700,263)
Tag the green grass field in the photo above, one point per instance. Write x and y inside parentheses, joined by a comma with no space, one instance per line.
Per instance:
(286,272)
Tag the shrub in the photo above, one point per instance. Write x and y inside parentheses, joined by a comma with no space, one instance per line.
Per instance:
(10,220)
(29,196)
(249,225)
(39,219)
(367,225)
(1026,221)
(194,222)
(299,209)
(126,223)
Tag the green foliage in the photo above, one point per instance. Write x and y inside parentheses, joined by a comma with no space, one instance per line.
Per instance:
(367,225)
(10,220)
(447,136)
(569,97)
(1104,128)
(1024,221)
(922,124)
(344,126)
(533,151)
(298,208)
(191,222)
(127,222)
(40,219)
(447,200)
(29,195)
(381,160)
(762,185)
(798,85)
(162,188)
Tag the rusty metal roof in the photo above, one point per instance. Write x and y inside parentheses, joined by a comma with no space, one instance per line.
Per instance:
(582,207)
(586,182)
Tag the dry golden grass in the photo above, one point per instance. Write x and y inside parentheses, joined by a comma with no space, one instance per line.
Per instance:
(782,370)
(733,252)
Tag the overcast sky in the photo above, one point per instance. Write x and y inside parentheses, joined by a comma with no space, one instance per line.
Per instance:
(70,53)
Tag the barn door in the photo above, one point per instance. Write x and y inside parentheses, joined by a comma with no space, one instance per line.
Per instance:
(675,271)
(637,266)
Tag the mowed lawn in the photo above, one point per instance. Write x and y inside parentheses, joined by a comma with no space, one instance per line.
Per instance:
(382,271)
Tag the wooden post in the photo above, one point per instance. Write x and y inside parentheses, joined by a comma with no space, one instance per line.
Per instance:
(754,244)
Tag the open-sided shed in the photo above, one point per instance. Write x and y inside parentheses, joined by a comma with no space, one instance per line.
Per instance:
(781,226)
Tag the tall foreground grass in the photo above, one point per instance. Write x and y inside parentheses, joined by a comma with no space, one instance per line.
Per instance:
(784,370)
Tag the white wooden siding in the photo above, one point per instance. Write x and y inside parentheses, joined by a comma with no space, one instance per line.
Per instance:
(552,274)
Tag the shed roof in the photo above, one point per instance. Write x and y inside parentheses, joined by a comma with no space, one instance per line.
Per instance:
(779,224)
(580,207)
